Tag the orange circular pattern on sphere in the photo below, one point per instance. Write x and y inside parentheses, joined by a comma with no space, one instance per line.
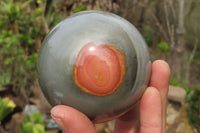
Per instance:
(99,70)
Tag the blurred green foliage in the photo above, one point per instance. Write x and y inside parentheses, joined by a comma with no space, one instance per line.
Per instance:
(192,100)
(80,8)
(6,107)
(17,50)
(197,56)
(164,47)
(22,27)
(33,123)
(149,39)
(175,82)
(147,33)
(193,108)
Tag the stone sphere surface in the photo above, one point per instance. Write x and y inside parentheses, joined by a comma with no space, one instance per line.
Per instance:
(96,62)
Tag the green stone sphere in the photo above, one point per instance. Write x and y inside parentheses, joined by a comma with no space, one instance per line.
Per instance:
(95,62)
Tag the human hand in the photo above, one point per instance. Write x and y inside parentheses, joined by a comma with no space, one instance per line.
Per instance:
(147,116)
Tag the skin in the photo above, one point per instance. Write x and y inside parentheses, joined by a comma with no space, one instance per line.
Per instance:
(148,116)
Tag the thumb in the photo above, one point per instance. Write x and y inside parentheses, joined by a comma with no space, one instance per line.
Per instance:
(71,120)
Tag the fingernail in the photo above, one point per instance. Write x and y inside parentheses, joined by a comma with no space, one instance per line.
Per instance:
(57,117)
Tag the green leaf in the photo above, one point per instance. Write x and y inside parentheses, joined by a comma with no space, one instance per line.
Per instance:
(175,82)
(6,107)
(40,128)
(5,79)
(21,51)
(33,124)
(80,8)
(8,61)
(148,36)
(2,24)
(38,12)
(27,119)
(37,118)
(163,47)
(27,40)
(27,128)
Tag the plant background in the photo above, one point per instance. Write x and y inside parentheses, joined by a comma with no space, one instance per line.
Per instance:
(171,30)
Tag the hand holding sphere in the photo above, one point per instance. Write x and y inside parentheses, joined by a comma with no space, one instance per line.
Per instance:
(95,62)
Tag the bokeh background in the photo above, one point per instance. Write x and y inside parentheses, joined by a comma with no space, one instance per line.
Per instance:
(170,28)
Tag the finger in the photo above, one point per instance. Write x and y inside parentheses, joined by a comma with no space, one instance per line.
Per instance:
(160,77)
(160,80)
(71,120)
(129,122)
(151,112)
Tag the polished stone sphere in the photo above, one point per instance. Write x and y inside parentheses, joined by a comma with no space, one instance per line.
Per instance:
(96,62)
